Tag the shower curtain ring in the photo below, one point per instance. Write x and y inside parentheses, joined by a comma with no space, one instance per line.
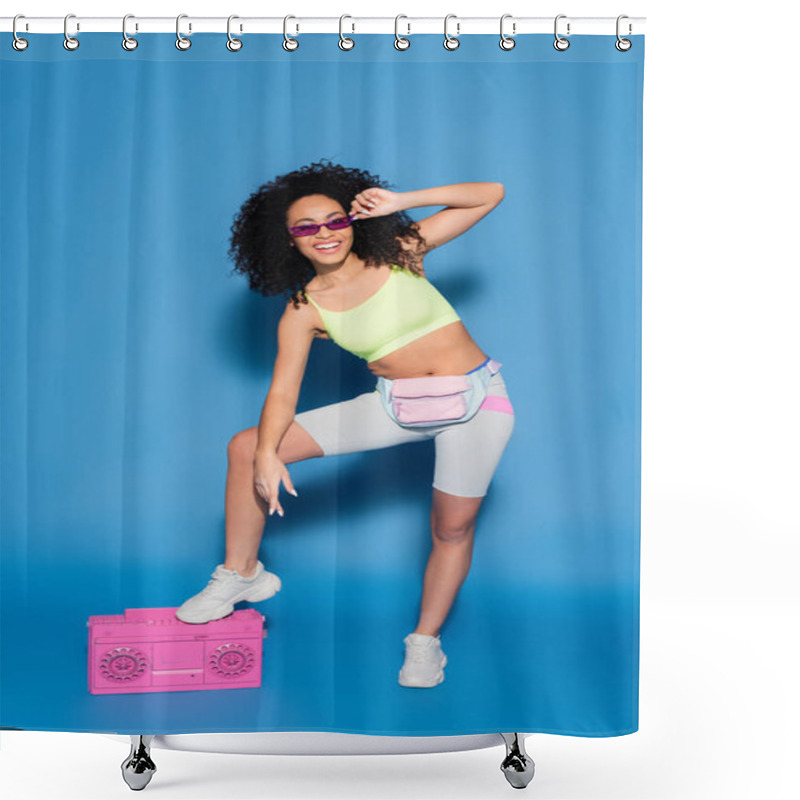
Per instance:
(345,43)
(289,43)
(561,43)
(623,45)
(18,43)
(506,42)
(181,42)
(233,44)
(70,42)
(400,42)
(128,42)
(451,42)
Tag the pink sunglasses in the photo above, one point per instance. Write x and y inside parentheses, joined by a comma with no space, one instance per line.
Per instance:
(309,229)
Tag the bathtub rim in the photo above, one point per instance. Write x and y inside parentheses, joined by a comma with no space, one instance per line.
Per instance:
(317,743)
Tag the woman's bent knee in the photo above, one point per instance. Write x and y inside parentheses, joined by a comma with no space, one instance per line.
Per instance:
(243,445)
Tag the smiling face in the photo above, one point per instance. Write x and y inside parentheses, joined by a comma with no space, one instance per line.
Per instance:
(325,247)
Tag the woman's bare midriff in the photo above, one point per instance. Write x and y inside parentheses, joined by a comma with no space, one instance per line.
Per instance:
(449,350)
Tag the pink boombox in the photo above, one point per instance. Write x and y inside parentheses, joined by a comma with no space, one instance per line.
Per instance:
(151,650)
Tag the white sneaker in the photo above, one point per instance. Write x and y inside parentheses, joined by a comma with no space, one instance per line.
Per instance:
(425,661)
(225,588)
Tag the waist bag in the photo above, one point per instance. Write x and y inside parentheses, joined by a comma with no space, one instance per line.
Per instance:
(437,399)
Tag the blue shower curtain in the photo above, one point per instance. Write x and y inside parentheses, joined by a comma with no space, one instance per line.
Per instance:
(131,354)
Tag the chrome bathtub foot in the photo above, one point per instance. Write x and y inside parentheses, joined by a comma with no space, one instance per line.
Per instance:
(517,766)
(138,768)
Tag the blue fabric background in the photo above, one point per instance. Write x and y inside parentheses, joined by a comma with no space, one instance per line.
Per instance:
(131,355)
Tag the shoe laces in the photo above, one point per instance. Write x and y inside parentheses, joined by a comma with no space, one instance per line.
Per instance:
(215,585)
(420,652)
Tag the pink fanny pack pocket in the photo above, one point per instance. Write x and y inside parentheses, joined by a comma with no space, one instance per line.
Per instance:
(435,399)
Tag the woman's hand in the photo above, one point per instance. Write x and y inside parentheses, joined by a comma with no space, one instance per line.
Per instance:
(268,472)
(376,202)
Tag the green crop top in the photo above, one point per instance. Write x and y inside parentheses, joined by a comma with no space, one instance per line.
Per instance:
(405,308)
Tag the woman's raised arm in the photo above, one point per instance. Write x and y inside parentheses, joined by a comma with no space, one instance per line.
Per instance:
(466,204)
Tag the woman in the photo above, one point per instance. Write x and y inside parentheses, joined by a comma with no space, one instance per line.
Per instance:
(340,239)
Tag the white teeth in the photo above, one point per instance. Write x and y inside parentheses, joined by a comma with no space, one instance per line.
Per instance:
(325,246)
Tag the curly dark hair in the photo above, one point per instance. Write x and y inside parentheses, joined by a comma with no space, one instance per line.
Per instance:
(260,245)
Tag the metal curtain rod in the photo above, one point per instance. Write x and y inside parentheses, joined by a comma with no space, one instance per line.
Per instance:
(350,24)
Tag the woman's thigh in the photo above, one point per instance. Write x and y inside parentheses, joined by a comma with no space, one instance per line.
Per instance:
(355,425)
(296,445)
(468,453)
